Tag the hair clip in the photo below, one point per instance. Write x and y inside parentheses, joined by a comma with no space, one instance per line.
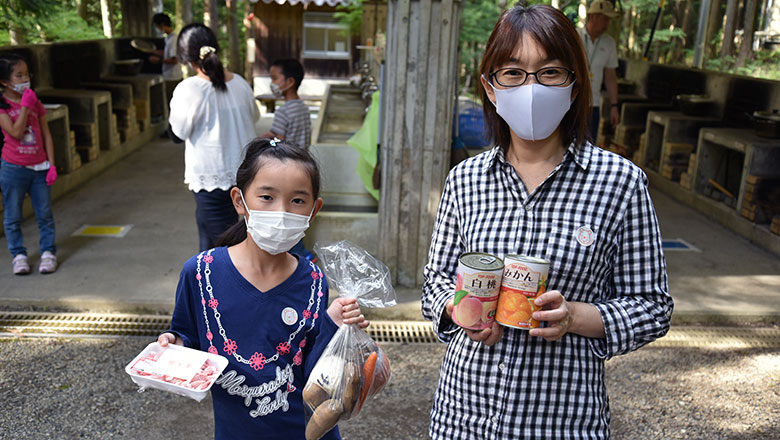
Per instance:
(274,141)
(205,51)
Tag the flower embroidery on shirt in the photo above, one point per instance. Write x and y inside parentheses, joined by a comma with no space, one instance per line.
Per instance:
(257,361)
(230,346)
(283,348)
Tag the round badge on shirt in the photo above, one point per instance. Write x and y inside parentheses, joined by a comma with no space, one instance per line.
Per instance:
(289,316)
(585,236)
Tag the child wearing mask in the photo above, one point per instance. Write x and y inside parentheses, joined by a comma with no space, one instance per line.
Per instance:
(27,164)
(260,306)
(292,121)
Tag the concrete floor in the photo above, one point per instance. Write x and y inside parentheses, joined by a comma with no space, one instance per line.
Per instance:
(727,277)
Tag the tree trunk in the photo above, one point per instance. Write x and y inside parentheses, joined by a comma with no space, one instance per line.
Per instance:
(714,22)
(211,15)
(136,18)
(107,11)
(582,12)
(81,8)
(249,64)
(746,51)
(234,52)
(16,34)
(632,32)
(728,31)
(773,18)
(684,19)
(183,13)
(41,32)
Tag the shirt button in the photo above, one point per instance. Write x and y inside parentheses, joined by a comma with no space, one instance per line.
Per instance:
(528,208)
(501,367)
(494,419)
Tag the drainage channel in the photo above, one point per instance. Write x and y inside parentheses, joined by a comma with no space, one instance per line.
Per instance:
(44,324)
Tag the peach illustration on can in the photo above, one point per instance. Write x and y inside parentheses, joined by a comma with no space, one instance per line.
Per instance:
(476,290)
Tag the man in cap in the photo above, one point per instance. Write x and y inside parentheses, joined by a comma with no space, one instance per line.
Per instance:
(601,51)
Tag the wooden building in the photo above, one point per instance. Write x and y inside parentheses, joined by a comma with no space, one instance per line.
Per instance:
(307,30)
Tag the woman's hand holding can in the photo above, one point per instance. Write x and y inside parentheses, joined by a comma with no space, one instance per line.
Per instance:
(556,311)
(488,336)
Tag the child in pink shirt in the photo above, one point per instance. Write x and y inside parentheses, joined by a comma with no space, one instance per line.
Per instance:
(27,165)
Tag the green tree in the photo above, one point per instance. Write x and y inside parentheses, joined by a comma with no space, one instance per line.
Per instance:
(478,18)
(21,16)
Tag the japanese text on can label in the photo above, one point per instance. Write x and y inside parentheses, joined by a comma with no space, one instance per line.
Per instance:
(522,279)
(481,284)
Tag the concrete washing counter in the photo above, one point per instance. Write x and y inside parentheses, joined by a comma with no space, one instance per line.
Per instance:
(349,211)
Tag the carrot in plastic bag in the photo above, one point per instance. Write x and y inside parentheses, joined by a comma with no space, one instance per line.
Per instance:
(368,374)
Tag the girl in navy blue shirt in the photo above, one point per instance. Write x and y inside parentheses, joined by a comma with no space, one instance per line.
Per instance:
(263,308)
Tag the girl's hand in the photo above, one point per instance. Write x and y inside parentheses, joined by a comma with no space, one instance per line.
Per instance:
(488,336)
(347,311)
(557,311)
(29,99)
(168,338)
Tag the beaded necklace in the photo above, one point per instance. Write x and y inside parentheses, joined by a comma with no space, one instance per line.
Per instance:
(257,361)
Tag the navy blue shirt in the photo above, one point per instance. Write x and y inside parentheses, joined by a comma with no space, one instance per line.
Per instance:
(272,340)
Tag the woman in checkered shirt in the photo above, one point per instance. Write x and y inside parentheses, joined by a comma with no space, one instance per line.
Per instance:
(544,190)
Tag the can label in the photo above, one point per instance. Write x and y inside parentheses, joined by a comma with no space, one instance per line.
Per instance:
(476,290)
(524,279)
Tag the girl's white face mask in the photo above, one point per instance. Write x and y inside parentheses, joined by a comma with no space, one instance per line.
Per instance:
(275,231)
(21,87)
(533,111)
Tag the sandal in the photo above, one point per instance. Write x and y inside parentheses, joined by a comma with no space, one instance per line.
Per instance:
(48,263)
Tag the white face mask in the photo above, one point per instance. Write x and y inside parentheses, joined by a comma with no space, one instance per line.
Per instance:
(277,90)
(275,231)
(533,111)
(21,87)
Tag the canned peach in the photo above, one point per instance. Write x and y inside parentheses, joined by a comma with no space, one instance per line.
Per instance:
(524,279)
(476,290)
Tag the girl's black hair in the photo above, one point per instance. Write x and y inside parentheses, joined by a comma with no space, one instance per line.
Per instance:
(192,38)
(7,63)
(258,151)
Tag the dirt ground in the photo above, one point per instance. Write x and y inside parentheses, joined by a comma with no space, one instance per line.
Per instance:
(77,388)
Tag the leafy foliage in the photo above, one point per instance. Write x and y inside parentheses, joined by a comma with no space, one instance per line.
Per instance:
(477,21)
(52,20)
(351,16)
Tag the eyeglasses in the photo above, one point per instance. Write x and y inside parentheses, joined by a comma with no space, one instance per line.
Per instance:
(548,76)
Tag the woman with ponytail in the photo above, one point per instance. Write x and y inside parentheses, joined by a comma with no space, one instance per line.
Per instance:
(214,113)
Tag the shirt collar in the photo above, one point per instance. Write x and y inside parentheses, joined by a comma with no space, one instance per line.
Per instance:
(581,156)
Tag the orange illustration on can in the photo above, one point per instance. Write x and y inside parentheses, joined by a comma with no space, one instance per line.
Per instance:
(524,279)
(476,290)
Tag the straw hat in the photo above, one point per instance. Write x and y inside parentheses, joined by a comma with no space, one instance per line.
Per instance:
(603,7)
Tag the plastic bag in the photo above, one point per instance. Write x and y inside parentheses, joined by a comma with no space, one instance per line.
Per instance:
(352,367)
(356,274)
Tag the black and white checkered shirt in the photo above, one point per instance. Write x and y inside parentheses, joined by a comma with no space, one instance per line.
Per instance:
(524,387)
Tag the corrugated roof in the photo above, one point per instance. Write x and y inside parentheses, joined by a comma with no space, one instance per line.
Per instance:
(307,2)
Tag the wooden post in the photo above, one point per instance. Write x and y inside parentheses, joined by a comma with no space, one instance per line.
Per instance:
(419,93)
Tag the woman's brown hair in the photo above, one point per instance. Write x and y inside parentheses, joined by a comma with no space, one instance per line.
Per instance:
(559,39)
